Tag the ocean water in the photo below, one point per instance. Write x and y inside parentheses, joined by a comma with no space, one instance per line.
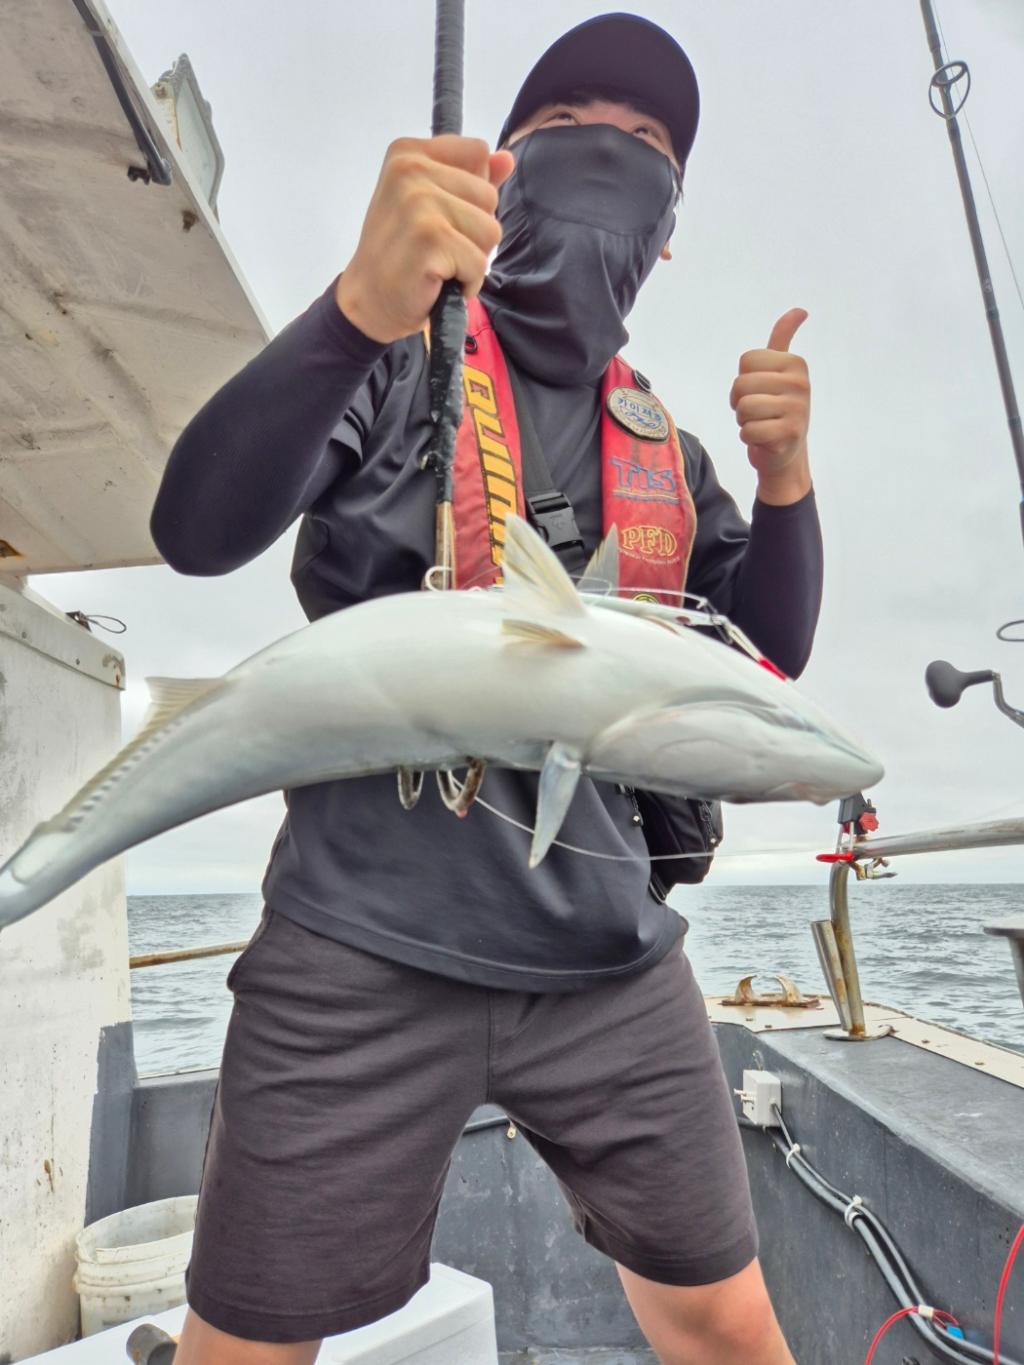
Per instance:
(920,948)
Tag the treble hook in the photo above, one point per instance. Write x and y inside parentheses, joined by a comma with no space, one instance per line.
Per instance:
(410,784)
(459,798)
(872,874)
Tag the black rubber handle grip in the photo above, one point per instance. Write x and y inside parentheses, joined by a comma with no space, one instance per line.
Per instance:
(946,684)
(150,1345)
(449,42)
(448,316)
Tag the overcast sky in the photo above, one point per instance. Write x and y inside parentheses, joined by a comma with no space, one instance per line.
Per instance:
(819,178)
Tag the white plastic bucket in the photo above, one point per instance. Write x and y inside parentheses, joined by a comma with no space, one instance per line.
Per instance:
(133,1262)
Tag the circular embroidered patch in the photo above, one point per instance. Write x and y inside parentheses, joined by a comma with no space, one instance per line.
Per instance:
(639,412)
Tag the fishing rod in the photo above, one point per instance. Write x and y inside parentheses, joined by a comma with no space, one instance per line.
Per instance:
(444,383)
(448,316)
(947,75)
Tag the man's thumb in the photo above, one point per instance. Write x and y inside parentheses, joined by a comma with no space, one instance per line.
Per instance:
(500,167)
(785,329)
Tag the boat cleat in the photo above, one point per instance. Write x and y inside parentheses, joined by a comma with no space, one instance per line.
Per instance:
(790,997)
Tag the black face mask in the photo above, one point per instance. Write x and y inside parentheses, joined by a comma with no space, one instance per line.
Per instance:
(585,214)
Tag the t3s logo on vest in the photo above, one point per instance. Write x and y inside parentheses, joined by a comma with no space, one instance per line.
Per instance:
(643,482)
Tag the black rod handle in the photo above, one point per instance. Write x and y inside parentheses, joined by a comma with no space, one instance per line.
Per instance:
(448,316)
(946,684)
(449,43)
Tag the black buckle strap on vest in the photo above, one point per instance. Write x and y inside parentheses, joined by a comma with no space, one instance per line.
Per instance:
(550,511)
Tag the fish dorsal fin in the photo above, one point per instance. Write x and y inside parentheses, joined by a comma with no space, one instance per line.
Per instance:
(534,633)
(534,579)
(169,696)
(602,573)
(558,780)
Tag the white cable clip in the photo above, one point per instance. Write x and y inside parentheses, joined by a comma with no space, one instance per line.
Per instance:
(852,1210)
(925,1311)
(793,1151)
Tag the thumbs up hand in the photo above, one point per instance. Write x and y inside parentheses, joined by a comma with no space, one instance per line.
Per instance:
(771,398)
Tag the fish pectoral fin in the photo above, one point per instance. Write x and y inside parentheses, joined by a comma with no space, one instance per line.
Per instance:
(602,573)
(558,779)
(534,578)
(536,633)
(639,724)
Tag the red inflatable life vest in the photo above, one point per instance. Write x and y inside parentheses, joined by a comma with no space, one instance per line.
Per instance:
(644,491)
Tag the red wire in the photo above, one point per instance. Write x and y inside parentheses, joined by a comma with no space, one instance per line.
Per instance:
(895,1317)
(903,1313)
(1004,1280)
(1002,1294)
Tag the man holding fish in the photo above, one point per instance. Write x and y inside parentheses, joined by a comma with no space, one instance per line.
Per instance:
(409,966)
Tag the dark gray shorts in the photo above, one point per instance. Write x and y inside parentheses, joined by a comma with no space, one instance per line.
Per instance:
(347,1080)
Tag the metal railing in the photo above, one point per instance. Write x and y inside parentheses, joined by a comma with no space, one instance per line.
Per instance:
(185,954)
(833,937)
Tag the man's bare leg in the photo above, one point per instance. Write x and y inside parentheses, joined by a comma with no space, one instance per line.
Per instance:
(202,1344)
(731,1322)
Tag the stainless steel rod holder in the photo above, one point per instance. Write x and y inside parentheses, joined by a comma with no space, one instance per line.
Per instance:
(833,939)
(844,985)
(832,966)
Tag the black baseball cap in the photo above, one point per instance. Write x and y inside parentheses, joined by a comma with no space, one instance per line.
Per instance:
(623,52)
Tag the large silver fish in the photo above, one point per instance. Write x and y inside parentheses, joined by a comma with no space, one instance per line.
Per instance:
(533,676)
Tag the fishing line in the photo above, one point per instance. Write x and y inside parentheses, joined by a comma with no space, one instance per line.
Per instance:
(633,857)
(995,212)
(999,810)
(981,167)
(791,850)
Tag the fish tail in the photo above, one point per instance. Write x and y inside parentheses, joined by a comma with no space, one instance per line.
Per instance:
(16,898)
(38,871)
(61,851)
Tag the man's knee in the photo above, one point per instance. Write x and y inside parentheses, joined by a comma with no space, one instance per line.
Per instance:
(731,1319)
(736,1318)
(202,1344)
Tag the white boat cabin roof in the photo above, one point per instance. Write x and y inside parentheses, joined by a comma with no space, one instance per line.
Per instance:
(121,306)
